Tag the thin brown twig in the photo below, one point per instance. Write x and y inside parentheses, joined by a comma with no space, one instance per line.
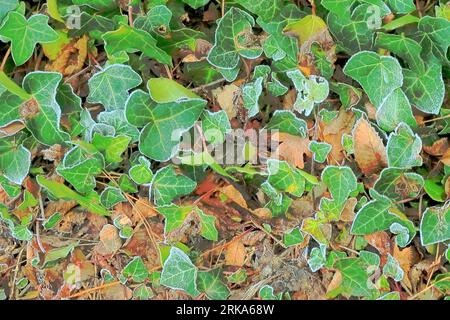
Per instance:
(8,52)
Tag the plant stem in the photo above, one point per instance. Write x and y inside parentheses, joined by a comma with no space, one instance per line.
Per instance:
(13,87)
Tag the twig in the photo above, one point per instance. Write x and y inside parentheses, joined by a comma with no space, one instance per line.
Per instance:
(437,119)
(16,271)
(130,15)
(200,88)
(8,52)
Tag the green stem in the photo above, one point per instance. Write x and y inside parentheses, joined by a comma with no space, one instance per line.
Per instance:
(12,87)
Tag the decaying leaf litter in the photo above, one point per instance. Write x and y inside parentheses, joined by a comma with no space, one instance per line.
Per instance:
(104,195)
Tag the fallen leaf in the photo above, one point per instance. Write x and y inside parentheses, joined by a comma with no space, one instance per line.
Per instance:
(332,132)
(233,194)
(438,148)
(370,152)
(292,148)
(226,98)
(235,254)
(109,239)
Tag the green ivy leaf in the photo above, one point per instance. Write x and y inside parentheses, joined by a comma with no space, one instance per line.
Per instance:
(160,138)
(403,148)
(174,216)
(406,48)
(111,147)
(7,6)
(136,270)
(433,37)
(317,257)
(195,4)
(401,6)
(320,150)
(293,237)
(25,34)
(110,86)
(309,91)
(141,173)
(435,225)
(394,110)
(215,126)
(15,159)
(398,184)
(128,39)
(212,286)
(233,39)
(341,181)
(251,93)
(378,75)
(179,272)
(207,226)
(287,121)
(425,89)
(392,269)
(60,191)
(354,32)
(285,178)
(45,124)
(111,196)
(167,185)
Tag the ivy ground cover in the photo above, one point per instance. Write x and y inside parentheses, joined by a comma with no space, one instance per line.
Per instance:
(236,149)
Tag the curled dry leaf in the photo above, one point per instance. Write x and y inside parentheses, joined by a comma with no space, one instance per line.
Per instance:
(370,152)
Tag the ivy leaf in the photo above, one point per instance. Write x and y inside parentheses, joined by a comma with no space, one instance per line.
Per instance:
(160,138)
(110,86)
(111,147)
(354,33)
(195,4)
(7,6)
(433,37)
(317,257)
(394,110)
(286,121)
(15,159)
(398,184)
(179,273)
(341,181)
(309,91)
(207,226)
(338,7)
(156,18)
(401,6)
(128,39)
(174,216)
(435,225)
(91,24)
(265,9)
(168,185)
(215,126)
(293,237)
(355,277)
(378,75)
(233,39)
(141,173)
(403,148)
(212,286)
(425,89)
(60,191)
(81,175)
(163,90)
(392,269)
(136,270)
(285,178)
(45,124)
(406,48)
(111,196)
(402,239)
(320,150)
(378,215)
(117,120)
(25,34)
(251,93)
